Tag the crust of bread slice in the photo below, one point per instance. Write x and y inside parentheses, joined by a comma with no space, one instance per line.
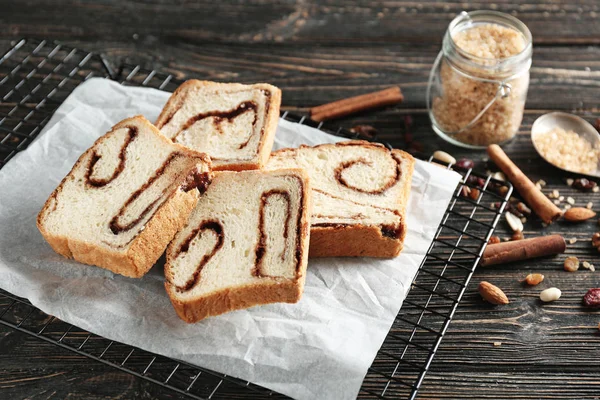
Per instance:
(144,251)
(270,125)
(236,299)
(268,290)
(359,240)
(148,246)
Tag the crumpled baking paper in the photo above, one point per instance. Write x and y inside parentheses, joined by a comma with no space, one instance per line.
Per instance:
(320,347)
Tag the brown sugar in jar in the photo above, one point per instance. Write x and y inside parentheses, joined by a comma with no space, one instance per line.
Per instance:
(478,85)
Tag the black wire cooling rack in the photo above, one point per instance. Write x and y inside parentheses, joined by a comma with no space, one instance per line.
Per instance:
(37,75)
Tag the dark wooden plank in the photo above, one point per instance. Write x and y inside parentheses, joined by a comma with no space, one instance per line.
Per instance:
(310,75)
(333,22)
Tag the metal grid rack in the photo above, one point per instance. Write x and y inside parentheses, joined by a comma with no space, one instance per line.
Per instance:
(36,76)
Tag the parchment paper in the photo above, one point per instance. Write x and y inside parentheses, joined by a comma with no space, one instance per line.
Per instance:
(319,348)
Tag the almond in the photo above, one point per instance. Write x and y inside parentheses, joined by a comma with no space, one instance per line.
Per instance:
(578,214)
(492,294)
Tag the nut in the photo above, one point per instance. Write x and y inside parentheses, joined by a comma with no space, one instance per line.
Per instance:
(502,190)
(514,222)
(523,209)
(491,293)
(555,194)
(551,294)
(589,205)
(518,235)
(592,298)
(465,191)
(444,157)
(572,240)
(499,176)
(571,200)
(579,214)
(584,184)
(571,264)
(596,240)
(589,266)
(495,239)
(534,279)
(570,181)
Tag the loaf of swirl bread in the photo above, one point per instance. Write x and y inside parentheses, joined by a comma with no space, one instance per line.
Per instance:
(233,123)
(360,190)
(245,244)
(124,199)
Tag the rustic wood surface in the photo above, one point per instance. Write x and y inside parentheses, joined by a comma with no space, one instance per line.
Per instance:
(321,52)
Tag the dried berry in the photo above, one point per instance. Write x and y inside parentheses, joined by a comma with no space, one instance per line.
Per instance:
(571,264)
(476,181)
(494,240)
(465,163)
(534,279)
(592,298)
(523,209)
(365,131)
(474,195)
(597,124)
(584,184)
(517,236)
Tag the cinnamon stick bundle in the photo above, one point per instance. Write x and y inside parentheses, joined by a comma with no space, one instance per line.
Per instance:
(525,249)
(356,104)
(537,201)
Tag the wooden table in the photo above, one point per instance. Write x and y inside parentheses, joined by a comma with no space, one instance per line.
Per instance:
(319,53)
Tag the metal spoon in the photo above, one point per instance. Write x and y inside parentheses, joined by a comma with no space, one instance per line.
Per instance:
(566,121)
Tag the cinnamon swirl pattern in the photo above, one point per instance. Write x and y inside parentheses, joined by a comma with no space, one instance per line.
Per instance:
(233,123)
(201,231)
(245,244)
(90,180)
(113,193)
(274,201)
(359,191)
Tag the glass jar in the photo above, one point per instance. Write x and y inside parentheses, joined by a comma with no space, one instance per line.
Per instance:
(478,84)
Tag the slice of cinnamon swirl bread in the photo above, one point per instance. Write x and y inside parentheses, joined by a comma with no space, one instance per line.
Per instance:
(360,190)
(245,244)
(124,199)
(233,123)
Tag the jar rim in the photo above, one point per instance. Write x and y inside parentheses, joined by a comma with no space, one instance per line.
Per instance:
(492,17)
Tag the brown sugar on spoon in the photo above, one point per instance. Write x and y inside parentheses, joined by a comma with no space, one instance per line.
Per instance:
(539,203)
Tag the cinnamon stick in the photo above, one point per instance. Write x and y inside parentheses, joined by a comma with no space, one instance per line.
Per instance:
(356,104)
(537,201)
(525,249)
